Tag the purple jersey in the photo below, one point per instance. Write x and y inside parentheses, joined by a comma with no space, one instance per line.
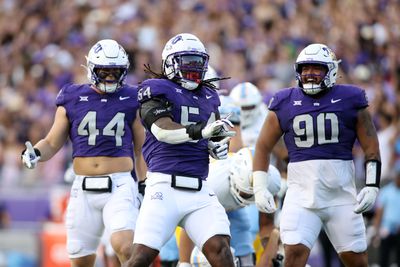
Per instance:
(100,124)
(319,128)
(188,107)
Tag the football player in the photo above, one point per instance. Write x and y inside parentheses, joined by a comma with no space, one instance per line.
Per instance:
(229,109)
(231,180)
(101,120)
(179,110)
(253,112)
(320,122)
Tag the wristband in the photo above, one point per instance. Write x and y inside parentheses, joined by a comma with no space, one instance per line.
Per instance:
(260,180)
(372,172)
(194,130)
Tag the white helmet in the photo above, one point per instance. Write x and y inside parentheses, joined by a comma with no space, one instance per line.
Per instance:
(228,107)
(210,74)
(318,54)
(241,177)
(241,172)
(107,54)
(185,60)
(248,98)
(197,258)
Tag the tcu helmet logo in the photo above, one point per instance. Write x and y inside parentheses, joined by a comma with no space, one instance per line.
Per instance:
(97,48)
(329,53)
(177,39)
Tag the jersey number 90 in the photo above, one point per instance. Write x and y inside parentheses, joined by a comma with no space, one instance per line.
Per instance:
(306,134)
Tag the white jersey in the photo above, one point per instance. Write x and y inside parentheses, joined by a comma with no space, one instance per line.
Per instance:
(250,133)
(219,181)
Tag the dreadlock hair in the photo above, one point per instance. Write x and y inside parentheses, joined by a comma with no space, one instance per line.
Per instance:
(208,82)
(148,70)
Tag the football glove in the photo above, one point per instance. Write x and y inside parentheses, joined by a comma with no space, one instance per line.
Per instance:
(141,189)
(219,150)
(263,199)
(218,128)
(30,156)
(142,186)
(366,199)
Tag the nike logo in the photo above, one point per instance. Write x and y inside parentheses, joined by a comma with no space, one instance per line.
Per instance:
(211,194)
(119,185)
(124,97)
(208,96)
(335,100)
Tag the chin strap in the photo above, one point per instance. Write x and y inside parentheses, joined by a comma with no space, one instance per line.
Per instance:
(108,88)
(189,85)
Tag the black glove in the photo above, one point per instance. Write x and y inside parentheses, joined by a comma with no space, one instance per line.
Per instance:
(142,186)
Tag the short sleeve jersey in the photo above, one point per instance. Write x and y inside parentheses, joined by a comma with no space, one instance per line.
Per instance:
(100,124)
(188,107)
(319,128)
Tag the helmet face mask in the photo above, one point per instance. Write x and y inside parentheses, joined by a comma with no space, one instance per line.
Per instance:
(312,76)
(191,66)
(104,74)
(318,56)
(185,60)
(107,65)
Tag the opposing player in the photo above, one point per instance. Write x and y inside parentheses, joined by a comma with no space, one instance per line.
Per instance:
(253,111)
(231,180)
(229,109)
(248,98)
(101,121)
(180,112)
(320,122)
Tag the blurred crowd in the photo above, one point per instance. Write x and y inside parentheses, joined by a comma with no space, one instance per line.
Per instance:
(43,44)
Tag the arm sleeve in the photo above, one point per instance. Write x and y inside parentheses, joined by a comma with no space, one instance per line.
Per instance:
(153,109)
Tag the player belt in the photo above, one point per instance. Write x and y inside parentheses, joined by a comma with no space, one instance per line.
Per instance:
(97,183)
(186,182)
(176,181)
